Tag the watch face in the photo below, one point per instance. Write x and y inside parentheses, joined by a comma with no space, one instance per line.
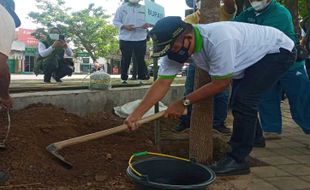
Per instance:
(186,102)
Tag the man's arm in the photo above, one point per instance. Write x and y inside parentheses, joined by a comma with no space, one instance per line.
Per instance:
(69,52)
(5,100)
(156,92)
(117,21)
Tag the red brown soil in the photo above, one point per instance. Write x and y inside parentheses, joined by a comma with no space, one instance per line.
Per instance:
(99,164)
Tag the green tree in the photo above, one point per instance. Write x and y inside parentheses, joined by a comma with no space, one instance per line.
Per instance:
(88,29)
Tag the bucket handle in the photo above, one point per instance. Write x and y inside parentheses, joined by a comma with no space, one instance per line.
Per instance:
(146,153)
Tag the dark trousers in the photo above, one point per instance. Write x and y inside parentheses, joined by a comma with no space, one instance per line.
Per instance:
(55,67)
(246,96)
(308,67)
(128,48)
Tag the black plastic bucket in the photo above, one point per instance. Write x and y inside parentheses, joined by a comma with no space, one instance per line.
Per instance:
(166,173)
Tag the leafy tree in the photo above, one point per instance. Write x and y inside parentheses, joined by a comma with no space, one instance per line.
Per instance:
(88,29)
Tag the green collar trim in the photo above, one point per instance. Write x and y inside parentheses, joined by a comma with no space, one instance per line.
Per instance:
(198,40)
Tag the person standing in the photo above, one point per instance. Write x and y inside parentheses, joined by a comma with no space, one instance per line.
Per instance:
(253,57)
(8,22)
(130,19)
(226,12)
(294,83)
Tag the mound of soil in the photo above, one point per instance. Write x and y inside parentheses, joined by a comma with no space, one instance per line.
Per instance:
(99,164)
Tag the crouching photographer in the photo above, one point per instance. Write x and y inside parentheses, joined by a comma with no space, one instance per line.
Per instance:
(55,57)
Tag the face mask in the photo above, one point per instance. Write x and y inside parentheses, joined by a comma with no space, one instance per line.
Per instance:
(54,36)
(259,5)
(134,1)
(181,56)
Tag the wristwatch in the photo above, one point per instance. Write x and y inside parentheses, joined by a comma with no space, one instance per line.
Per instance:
(186,102)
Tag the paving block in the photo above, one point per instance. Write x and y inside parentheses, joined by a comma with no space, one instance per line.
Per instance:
(262,152)
(274,144)
(306,178)
(303,151)
(289,183)
(269,171)
(259,184)
(278,160)
(301,159)
(255,184)
(287,151)
(296,169)
(292,144)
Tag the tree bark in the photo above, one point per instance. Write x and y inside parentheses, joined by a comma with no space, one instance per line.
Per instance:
(292,5)
(201,142)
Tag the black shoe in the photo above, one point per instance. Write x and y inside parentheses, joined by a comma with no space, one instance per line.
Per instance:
(3,177)
(124,82)
(47,81)
(259,143)
(182,126)
(222,129)
(228,166)
(58,80)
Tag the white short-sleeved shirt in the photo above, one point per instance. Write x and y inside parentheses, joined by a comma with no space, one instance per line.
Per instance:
(228,48)
(128,14)
(7,31)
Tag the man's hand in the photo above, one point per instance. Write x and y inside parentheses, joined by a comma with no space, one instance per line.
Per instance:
(6,103)
(146,26)
(129,27)
(59,44)
(132,122)
(175,110)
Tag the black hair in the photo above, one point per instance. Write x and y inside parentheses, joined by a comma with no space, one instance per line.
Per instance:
(55,28)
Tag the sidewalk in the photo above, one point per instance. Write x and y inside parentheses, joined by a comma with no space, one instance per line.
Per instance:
(288,160)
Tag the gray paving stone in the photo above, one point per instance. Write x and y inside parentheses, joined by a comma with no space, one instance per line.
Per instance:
(255,184)
(304,151)
(289,183)
(292,144)
(269,171)
(287,151)
(297,170)
(262,152)
(259,184)
(306,178)
(278,160)
(273,144)
(301,159)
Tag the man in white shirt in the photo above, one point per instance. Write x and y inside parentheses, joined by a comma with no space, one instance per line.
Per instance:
(253,57)
(8,22)
(130,19)
(52,53)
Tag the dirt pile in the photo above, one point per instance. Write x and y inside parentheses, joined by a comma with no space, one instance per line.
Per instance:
(99,164)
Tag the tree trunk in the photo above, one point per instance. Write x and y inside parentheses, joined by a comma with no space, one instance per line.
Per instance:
(292,5)
(201,142)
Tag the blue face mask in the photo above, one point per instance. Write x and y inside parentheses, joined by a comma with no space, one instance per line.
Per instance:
(180,56)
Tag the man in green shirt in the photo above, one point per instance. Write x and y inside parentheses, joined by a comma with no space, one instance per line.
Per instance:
(294,83)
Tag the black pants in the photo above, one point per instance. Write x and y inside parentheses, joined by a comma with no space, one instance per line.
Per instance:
(246,97)
(308,67)
(56,67)
(128,49)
